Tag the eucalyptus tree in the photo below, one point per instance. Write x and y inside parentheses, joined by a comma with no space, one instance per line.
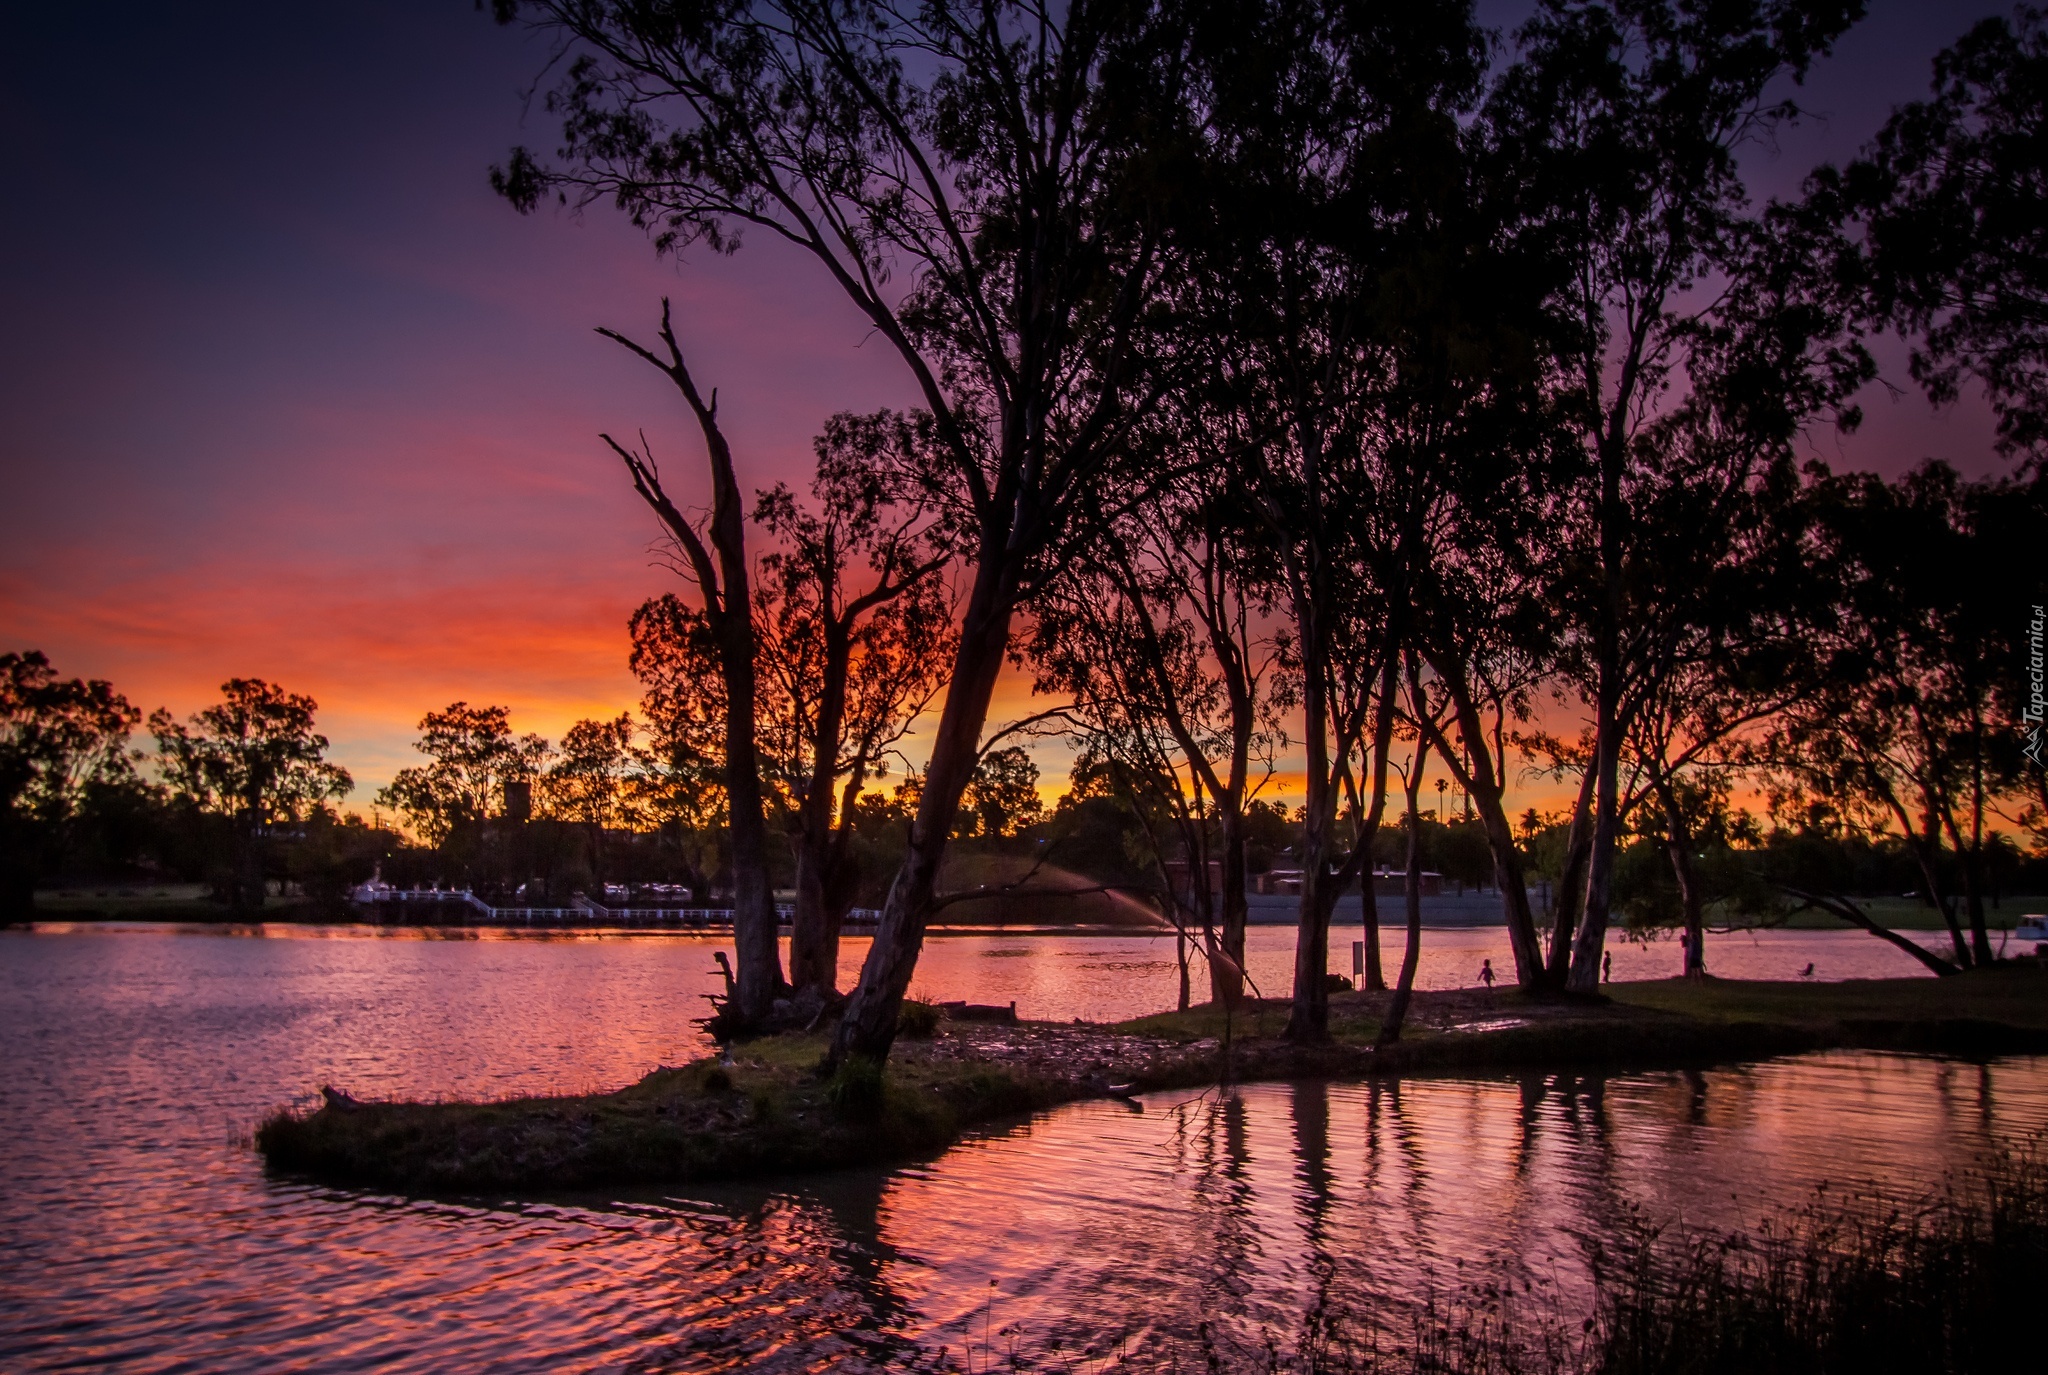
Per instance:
(1333,134)
(61,740)
(714,557)
(1628,119)
(590,783)
(1737,617)
(472,755)
(255,757)
(679,771)
(1160,636)
(1487,642)
(848,670)
(1943,219)
(1473,463)
(1902,727)
(1719,604)
(982,183)
(851,631)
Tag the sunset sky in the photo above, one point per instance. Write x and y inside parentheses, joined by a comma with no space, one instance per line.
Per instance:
(287,392)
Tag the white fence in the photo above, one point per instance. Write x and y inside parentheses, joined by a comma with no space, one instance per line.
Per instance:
(582,911)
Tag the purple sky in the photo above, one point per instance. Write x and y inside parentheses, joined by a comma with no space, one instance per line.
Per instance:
(285,391)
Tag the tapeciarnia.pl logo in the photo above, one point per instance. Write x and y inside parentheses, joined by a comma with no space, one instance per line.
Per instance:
(2037,703)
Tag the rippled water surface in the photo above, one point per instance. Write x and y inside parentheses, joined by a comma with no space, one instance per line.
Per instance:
(138,1231)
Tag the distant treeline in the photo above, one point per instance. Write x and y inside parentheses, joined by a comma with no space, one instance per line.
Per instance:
(241,798)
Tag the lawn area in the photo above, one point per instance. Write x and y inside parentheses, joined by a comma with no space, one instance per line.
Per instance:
(2015,997)
(1913,914)
(152,902)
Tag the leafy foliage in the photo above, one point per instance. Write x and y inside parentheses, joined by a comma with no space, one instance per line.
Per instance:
(473,755)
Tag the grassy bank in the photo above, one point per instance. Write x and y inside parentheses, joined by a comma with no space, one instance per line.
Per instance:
(173,902)
(764,1112)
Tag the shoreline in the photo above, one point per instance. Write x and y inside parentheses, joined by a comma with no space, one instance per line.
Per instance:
(206,915)
(762,1111)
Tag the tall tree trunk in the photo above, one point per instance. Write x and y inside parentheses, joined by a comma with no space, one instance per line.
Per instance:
(1607,725)
(1180,955)
(1375,973)
(841,876)
(813,953)
(1309,1020)
(758,955)
(1369,828)
(1484,781)
(1592,939)
(1970,853)
(1678,844)
(1226,980)
(868,1027)
(724,581)
(1404,988)
(810,961)
(1927,856)
(1973,905)
(1571,884)
(1197,907)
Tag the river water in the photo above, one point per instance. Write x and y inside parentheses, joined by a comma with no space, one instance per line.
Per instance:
(138,1230)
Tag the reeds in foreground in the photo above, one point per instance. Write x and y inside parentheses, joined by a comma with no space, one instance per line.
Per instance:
(1950,1283)
(1861,1285)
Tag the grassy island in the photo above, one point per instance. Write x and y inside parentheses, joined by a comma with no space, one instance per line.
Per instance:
(762,1110)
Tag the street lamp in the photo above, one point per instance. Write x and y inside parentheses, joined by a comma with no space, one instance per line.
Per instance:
(1439,799)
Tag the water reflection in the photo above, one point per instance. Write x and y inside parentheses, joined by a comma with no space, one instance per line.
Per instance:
(143,1235)
(1266,1210)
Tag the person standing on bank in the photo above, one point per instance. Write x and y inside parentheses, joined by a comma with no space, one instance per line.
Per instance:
(1486,972)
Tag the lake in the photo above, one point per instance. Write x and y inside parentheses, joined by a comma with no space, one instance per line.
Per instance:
(143,1234)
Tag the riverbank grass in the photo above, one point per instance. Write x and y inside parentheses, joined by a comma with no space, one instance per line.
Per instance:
(764,1111)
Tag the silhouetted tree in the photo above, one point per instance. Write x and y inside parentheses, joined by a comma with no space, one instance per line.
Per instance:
(1334,146)
(1901,727)
(715,559)
(1742,618)
(589,783)
(254,757)
(61,742)
(679,778)
(1422,726)
(1626,119)
(473,755)
(1159,637)
(848,670)
(1002,795)
(841,674)
(997,164)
